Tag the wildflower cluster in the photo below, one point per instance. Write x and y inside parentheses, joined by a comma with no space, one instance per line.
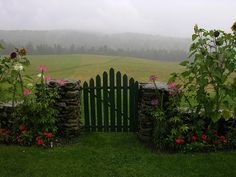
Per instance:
(33,120)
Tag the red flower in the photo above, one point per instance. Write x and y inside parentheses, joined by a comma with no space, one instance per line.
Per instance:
(48,134)
(178,141)
(222,138)
(215,142)
(204,137)
(40,141)
(194,138)
(22,128)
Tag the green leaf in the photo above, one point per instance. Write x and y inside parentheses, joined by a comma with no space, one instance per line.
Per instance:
(184,128)
(185,73)
(194,36)
(175,119)
(226,114)
(184,63)
(174,131)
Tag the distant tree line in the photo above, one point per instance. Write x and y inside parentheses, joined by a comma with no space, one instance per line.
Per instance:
(45,49)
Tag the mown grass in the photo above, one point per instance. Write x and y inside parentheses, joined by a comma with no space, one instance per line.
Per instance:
(111,155)
(84,67)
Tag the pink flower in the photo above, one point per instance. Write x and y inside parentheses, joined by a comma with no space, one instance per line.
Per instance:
(43,68)
(60,82)
(171,84)
(27,92)
(152,78)
(47,78)
(171,92)
(155,102)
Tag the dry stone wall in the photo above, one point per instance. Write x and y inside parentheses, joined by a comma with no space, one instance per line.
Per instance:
(146,123)
(69,107)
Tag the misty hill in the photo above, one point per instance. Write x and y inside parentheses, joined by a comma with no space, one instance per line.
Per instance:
(70,41)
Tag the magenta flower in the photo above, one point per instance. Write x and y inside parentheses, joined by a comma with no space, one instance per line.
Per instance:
(153,78)
(27,92)
(155,102)
(171,92)
(43,68)
(171,84)
(47,77)
(60,82)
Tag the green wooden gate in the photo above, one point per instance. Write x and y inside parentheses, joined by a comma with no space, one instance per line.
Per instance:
(111,103)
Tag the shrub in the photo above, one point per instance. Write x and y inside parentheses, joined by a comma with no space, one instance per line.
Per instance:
(34,119)
(209,123)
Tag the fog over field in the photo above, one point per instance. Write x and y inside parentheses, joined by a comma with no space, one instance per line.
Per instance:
(140,28)
(169,17)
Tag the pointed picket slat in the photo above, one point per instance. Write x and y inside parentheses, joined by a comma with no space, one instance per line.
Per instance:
(92,104)
(86,107)
(105,101)
(125,103)
(131,104)
(136,87)
(112,98)
(99,102)
(118,101)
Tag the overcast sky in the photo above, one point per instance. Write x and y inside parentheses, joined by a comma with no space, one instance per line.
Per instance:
(163,17)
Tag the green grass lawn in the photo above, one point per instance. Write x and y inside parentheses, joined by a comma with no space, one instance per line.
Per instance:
(113,155)
(84,67)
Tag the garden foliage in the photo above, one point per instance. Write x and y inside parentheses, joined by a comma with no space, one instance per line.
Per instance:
(33,119)
(207,89)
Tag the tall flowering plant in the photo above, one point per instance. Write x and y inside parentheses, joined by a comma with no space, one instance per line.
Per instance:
(207,87)
(169,127)
(37,111)
(11,73)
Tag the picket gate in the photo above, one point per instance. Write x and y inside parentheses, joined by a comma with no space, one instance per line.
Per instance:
(111,103)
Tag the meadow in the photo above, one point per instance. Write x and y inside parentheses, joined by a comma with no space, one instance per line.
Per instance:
(84,67)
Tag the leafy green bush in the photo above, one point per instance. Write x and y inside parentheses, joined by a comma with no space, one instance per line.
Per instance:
(34,118)
(207,87)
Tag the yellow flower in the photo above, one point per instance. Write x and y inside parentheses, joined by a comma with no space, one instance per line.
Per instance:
(23,52)
(234,27)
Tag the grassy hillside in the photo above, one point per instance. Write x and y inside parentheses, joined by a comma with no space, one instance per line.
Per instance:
(83,67)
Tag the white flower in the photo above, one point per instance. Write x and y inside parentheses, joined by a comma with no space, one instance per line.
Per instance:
(40,75)
(18,67)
